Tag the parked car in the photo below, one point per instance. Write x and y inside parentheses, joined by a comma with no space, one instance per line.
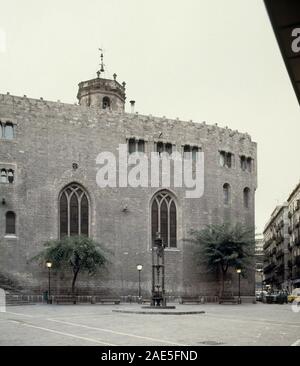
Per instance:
(260,295)
(282,297)
(276,297)
(295,295)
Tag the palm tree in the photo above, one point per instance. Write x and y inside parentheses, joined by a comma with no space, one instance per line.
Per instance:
(220,247)
(80,253)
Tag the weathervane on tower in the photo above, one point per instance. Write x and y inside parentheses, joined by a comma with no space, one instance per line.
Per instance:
(101,64)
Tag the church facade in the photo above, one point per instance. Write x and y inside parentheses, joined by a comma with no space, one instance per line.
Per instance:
(48,188)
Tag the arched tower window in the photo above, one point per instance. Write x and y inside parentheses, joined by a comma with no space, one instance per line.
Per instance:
(105,102)
(73,211)
(164,218)
(10,227)
(226,194)
(246,197)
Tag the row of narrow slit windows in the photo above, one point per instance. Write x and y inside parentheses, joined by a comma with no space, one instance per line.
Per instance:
(7,176)
(246,163)
(6,130)
(190,152)
(135,145)
(227,195)
(227,160)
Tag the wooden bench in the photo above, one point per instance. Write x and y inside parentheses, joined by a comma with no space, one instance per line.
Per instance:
(103,300)
(146,301)
(231,299)
(192,300)
(66,299)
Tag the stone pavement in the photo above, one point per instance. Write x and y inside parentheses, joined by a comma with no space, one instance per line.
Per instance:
(90,325)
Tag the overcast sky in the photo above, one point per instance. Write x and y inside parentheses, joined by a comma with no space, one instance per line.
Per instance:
(206,60)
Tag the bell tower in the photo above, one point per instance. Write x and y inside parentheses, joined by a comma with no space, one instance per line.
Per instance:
(102,93)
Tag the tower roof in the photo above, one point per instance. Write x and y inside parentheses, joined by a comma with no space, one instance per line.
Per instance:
(101,92)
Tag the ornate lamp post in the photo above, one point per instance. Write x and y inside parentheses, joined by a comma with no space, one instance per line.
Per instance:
(158,298)
(49,265)
(238,271)
(139,267)
(158,273)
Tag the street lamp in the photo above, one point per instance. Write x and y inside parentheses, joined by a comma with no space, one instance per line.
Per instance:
(49,265)
(139,267)
(238,271)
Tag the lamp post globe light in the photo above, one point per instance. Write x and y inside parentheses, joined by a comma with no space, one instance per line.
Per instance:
(239,271)
(139,267)
(49,265)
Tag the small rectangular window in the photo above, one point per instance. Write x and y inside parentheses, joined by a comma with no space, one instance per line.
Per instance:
(163,147)
(228,160)
(160,147)
(243,163)
(222,158)
(9,131)
(169,149)
(10,223)
(195,149)
(249,164)
(186,151)
(141,146)
(131,146)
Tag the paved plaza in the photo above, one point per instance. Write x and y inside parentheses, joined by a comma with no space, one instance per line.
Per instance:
(90,325)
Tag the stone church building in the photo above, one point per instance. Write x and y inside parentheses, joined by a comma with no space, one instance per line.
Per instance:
(48,189)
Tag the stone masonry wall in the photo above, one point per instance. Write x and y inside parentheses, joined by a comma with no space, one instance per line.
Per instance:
(50,137)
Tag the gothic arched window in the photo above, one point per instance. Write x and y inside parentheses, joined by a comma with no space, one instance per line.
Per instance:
(164,218)
(73,211)
(10,222)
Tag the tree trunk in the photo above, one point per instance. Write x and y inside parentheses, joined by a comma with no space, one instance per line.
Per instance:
(223,276)
(74,280)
